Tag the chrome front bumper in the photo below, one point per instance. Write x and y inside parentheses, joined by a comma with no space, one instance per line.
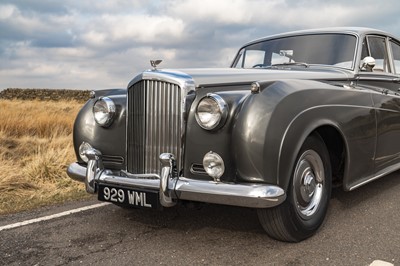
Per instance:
(172,188)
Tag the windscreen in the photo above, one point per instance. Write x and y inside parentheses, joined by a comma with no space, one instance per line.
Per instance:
(316,49)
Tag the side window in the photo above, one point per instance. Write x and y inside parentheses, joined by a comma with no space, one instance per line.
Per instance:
(239,61)
(377,49)
(364,52)
(284,56)
(253,58)
(396,56)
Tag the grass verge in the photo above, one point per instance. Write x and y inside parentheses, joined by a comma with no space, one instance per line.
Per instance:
(35,149)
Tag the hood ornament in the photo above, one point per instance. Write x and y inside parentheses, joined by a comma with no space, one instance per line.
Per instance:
(155,63)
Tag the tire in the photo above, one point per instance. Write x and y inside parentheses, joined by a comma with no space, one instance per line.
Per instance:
(308,195)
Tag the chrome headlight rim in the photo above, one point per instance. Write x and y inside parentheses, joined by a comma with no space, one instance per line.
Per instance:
(222,114)
(104,111)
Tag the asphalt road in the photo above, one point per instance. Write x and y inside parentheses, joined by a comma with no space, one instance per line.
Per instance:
(362,226)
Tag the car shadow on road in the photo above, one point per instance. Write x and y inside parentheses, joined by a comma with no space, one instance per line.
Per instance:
(214,218)
(191,218)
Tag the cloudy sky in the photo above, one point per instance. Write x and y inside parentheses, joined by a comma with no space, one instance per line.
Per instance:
(94,44)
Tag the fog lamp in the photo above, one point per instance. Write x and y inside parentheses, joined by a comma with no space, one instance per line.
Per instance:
(82,151)
(214,165)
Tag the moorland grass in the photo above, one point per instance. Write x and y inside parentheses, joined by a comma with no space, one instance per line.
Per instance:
(35,149)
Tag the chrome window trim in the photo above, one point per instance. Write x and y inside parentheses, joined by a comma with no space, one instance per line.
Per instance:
(354,34)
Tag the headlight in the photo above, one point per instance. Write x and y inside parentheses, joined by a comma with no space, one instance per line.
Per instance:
(82,151)
(214,165)
(104,111)
(211,112)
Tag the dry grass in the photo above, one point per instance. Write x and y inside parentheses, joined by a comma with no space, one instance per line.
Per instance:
(35,149)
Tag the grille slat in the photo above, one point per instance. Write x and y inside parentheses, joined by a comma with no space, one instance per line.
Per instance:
(154,125)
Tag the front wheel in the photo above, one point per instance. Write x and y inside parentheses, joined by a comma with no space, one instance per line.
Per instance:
(304,209)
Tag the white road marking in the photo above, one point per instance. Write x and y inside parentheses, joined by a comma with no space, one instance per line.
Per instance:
(53,216)
(381,263)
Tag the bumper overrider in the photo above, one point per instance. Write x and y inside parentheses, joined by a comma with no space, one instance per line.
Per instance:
(171,188)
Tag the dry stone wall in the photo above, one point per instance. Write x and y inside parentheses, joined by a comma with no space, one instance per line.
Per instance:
(44,94)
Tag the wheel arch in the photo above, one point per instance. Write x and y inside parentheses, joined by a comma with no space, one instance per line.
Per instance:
(336,145)
(292,142)
(273,125)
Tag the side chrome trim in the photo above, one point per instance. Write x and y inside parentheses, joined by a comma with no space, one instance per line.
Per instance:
(388,171)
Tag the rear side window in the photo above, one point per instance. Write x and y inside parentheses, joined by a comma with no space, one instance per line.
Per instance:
(377,49)
(396,56)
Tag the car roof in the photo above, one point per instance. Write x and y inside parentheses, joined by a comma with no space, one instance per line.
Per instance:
(359,31)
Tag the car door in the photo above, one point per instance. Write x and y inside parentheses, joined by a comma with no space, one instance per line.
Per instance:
(385,81)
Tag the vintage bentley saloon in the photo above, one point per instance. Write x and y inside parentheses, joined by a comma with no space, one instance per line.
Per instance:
(294,115)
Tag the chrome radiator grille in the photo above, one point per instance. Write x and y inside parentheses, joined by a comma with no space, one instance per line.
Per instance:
(154,125)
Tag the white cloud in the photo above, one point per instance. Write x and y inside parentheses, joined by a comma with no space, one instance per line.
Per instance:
(110,29)
(96,7)
(99,44)
(7,11)
(272,13)
(12,15)
(234,11)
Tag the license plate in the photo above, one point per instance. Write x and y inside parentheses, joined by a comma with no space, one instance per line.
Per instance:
(129,197)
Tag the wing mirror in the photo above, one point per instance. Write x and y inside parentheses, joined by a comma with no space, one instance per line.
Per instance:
(368,63)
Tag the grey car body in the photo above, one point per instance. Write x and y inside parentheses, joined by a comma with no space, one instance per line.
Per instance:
(286,132)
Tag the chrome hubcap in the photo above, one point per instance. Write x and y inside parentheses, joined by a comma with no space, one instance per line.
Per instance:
(308,186)
(308,183)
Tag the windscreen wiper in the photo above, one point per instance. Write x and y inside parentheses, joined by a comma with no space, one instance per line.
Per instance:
(291,64)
